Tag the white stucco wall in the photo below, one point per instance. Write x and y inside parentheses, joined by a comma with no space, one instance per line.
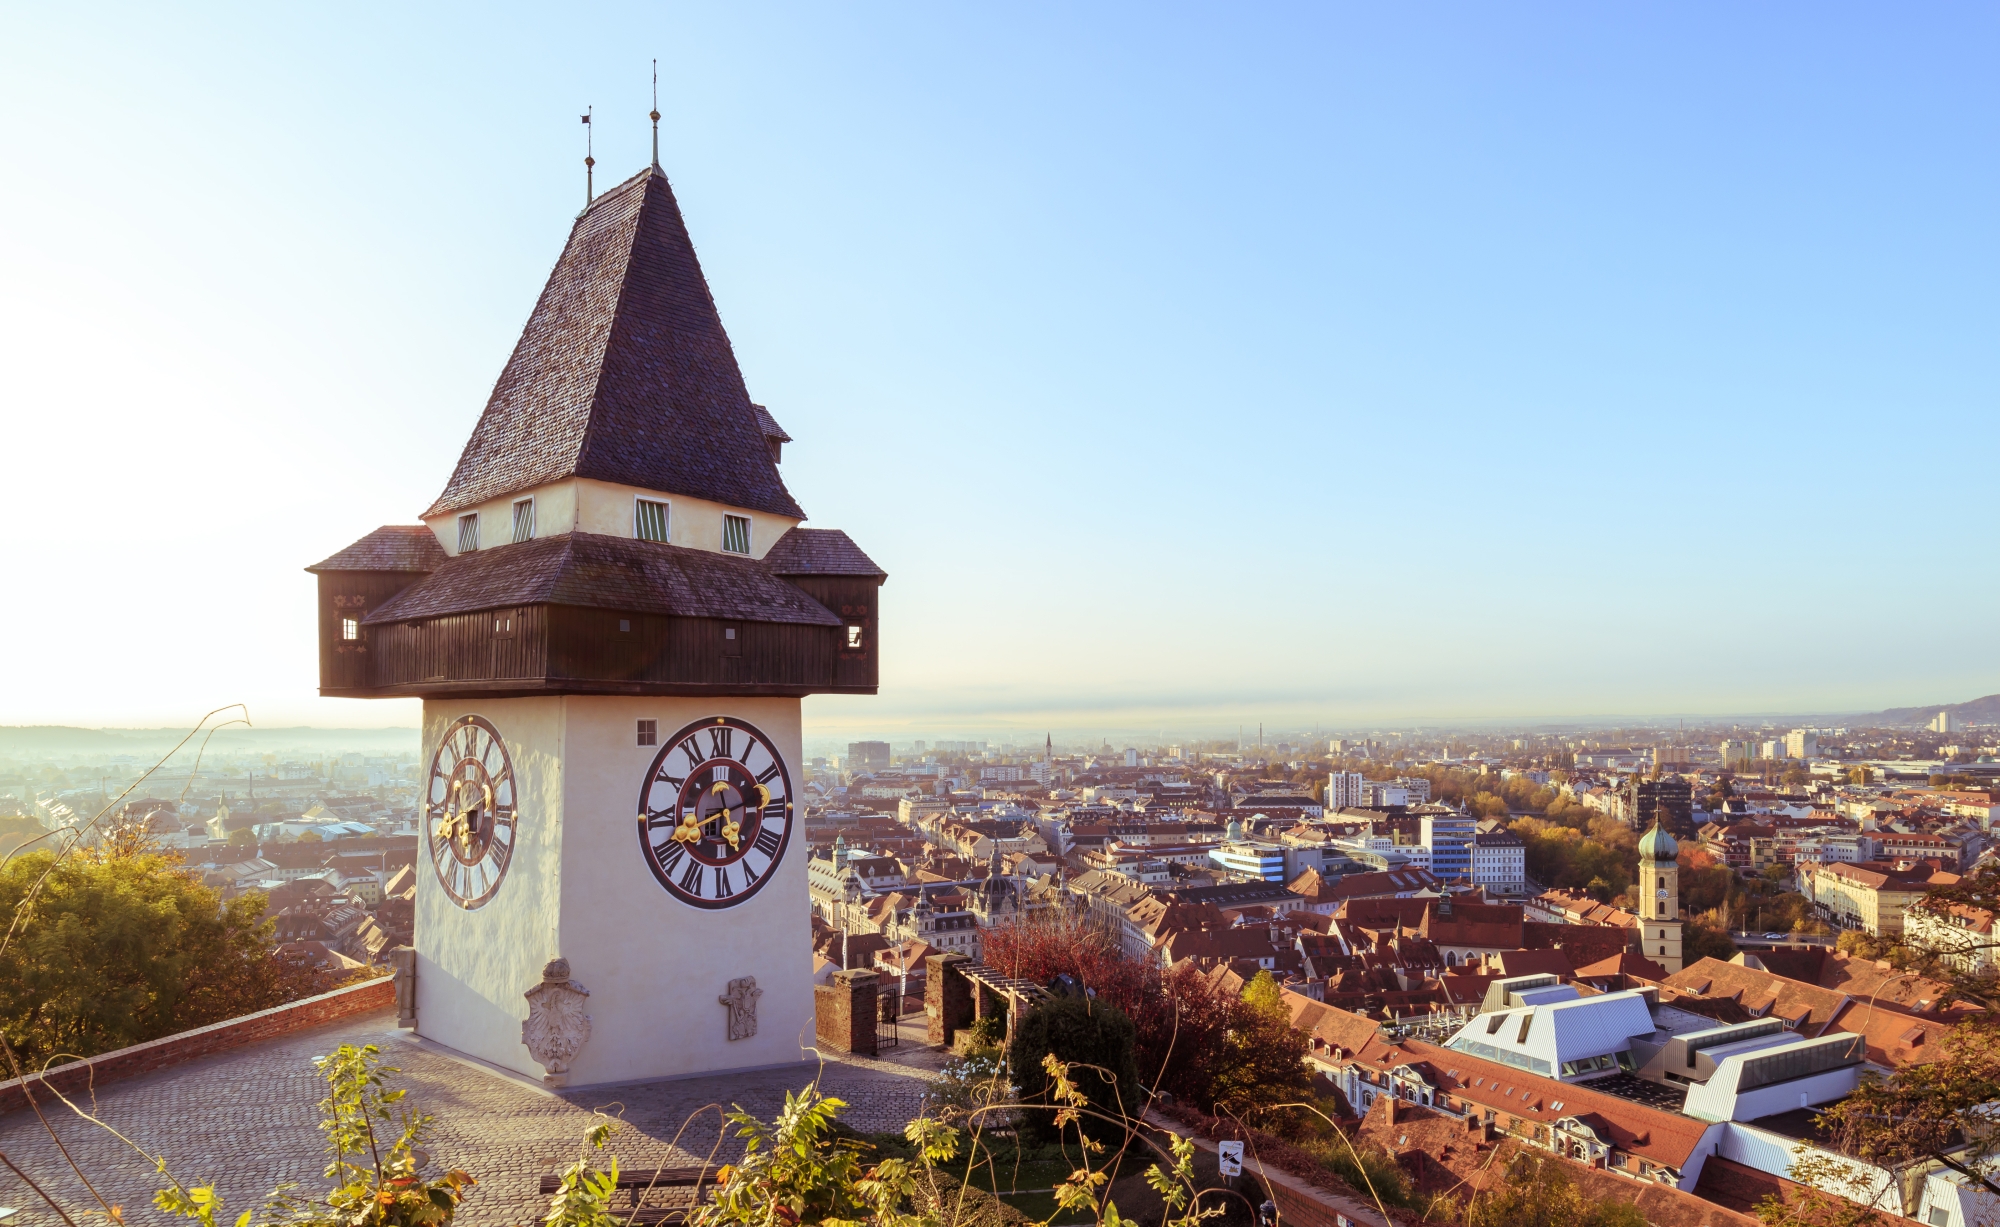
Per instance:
(583,505)
(578,886)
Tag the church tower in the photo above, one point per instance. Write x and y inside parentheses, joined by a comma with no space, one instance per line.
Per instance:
(1660,898)
(611,613)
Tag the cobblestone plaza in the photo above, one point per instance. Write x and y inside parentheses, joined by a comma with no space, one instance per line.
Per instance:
(247,1120)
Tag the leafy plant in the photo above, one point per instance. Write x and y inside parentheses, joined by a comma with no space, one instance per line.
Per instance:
(966,1086)
(1096,1038)
(584,1197)
(798,1170)
(990,1031)
(376,1182)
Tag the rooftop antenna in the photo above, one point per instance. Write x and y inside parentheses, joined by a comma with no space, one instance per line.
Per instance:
(589,161)
(656,115)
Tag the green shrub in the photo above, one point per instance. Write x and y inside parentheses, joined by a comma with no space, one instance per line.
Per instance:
(990,1031)
(1082,1033)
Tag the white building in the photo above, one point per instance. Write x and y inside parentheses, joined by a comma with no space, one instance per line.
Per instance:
(1945,722)
(1801,743)
(1343,788)
(1499,863)
(1383,796)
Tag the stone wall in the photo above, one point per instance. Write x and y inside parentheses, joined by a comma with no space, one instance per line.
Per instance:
(947,997)
(844,1011)
(80,1076)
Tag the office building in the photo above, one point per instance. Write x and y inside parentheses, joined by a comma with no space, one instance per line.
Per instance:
(1449,839)
(868,756)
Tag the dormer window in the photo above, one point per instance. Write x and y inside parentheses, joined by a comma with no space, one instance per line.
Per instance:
(468,533)
(649,520)
(524,519)
(736,534)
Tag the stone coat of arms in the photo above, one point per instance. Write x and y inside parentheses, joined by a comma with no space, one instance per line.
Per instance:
(556,1026)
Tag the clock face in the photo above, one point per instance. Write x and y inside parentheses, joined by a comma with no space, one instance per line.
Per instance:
(715,812)
(469,811)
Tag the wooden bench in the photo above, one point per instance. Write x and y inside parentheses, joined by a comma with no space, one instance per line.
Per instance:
(640,1180)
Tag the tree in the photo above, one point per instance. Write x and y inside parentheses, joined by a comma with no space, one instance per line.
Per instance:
(1179,1023)
(117,947)
(243,837)
(1265,1061)
(1538,1192)
(1934,1111)
(1703,938)
(1957,955)
(1097,1041)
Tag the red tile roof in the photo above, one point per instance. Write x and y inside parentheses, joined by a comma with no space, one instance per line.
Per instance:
(1806,1008)
(1663,1137)
(1444,1157)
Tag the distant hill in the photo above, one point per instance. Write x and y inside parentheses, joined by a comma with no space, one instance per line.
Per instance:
(59,741)
(1978,711)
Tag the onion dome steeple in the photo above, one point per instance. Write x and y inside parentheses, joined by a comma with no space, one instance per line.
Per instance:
(1657,845)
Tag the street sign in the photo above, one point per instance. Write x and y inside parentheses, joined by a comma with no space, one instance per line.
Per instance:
(1229,1158)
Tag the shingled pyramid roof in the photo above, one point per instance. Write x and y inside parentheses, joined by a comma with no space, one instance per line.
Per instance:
(623,374)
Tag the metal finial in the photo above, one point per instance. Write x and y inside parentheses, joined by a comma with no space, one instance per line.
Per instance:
(589,162)
(656,115)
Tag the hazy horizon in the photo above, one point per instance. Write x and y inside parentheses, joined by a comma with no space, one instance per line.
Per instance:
(1183,367)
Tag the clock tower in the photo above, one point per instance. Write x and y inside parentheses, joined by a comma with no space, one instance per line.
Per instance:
(611,614)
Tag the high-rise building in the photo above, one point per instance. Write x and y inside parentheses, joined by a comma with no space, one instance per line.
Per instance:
(1449,839)
(1343,788)
(1670,799)
(1801,743)
(1945,722)
(870,756)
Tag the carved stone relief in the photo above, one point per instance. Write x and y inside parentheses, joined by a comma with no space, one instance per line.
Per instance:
(556,1026)
(742,1002)
(404,960)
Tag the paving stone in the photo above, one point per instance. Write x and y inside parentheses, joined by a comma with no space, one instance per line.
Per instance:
(248,1119)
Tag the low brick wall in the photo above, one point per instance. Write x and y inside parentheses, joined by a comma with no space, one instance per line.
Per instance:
(79,1076)
(844,1012)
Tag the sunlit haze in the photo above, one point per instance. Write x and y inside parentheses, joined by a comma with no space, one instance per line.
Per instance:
(1185,367)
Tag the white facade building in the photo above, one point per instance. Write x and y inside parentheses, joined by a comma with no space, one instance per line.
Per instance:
(1499,863)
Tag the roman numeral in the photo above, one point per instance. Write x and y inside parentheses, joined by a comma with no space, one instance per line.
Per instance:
(722,887)
(749,874)
(693,753)
(769,773)
(670,856)
(721,740)
(691,880)
(669,778)
(767,842)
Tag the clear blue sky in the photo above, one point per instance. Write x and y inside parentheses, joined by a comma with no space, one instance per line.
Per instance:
(1183,365)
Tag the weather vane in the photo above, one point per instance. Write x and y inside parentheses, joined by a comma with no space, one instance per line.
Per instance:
(589,162)
(656,115)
